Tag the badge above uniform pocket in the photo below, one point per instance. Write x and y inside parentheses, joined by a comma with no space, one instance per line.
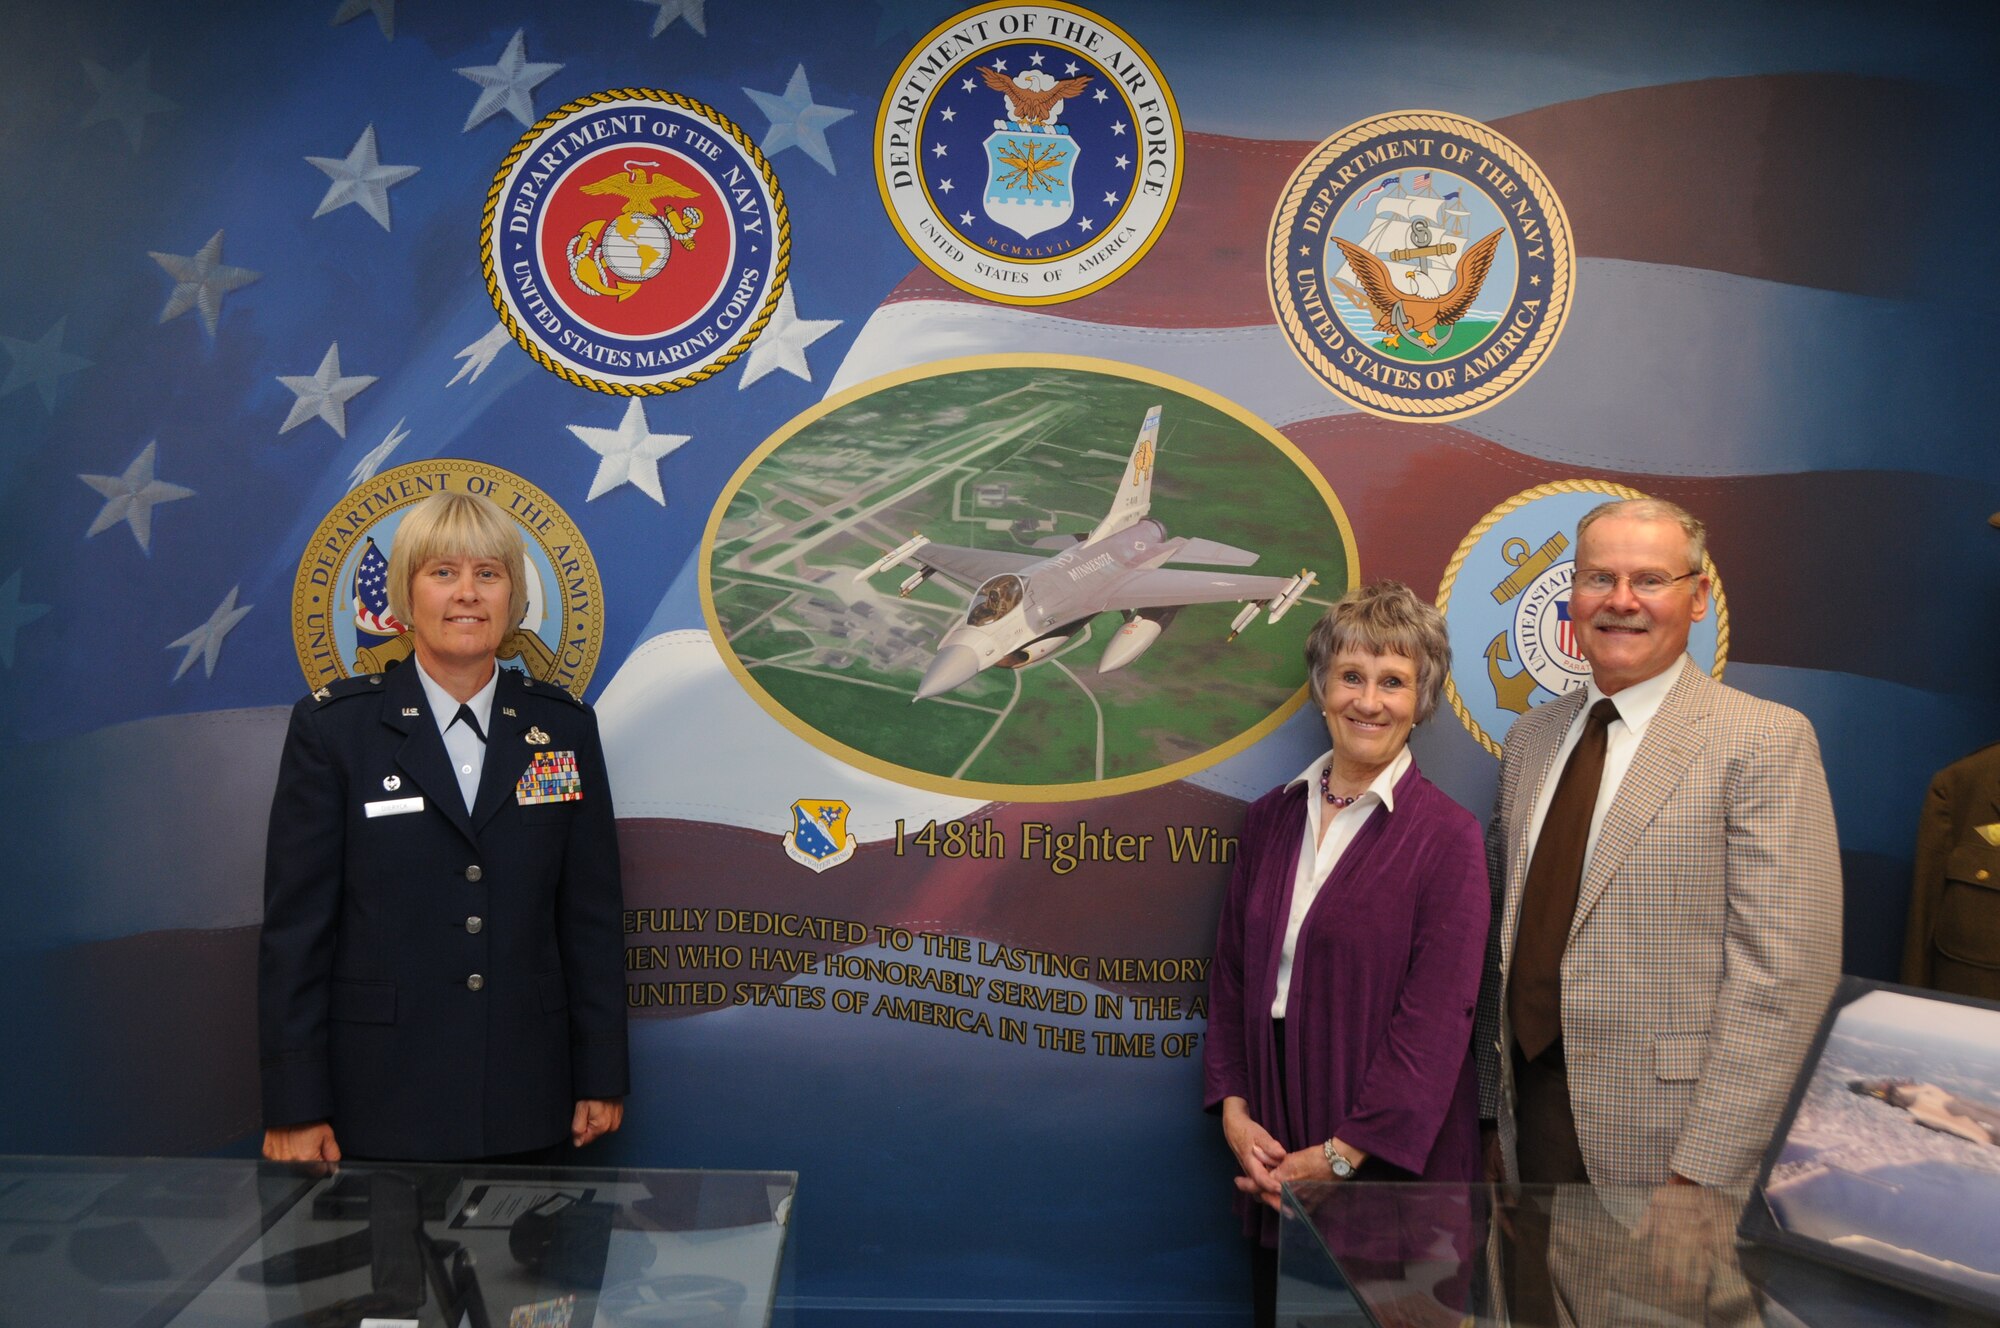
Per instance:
(550,777)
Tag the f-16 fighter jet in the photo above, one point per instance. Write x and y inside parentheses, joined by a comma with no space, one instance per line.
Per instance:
(1024,608)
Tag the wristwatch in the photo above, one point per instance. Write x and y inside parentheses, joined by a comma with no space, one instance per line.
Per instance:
(1341,1168)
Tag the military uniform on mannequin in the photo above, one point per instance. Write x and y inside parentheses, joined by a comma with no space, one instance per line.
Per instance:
(1953,940)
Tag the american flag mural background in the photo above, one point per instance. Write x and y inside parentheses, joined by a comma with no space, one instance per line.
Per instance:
(243,278)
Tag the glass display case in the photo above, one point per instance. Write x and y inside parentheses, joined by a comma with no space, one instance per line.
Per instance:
(1447,1256)
(125,1243)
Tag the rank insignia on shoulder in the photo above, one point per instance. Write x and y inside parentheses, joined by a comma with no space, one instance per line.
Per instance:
(536,735)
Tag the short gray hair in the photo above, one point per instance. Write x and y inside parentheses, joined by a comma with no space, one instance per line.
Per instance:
(1383,618)
(1653,509)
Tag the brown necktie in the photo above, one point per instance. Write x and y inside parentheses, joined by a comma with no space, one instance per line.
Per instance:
(1548,900)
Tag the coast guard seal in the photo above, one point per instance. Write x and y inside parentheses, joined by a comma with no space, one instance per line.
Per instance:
(1028,153)
(341,624)
(1421,265)
(635,241)
(1505,598)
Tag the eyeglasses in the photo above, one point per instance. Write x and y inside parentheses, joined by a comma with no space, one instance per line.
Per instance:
(1597,581)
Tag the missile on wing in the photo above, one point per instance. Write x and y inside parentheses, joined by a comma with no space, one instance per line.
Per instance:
(1242,620)
(891,558)
(1299,586)
(914,580)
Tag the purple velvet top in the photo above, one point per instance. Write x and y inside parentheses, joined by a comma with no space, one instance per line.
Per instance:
(1385,978)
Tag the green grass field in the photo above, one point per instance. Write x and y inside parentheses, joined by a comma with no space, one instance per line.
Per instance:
(1001,458)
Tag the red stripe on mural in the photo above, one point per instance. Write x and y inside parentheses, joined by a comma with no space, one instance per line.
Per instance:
(1803,557)
(1755,176)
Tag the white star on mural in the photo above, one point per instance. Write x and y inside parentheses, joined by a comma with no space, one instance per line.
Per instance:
(965,218)
(14,615)
(41,362)
(1071,68)
(1101,96)
(947,115)
(944,186)
(691,10)
(201,280)
(480,354)
(1110,200)
(383,10)
(1083,224)
(631,453)
(965,84)
(205,642)
(323,394)
(797,121)
(783,342)
(506,85)
(364,469)
(130,498)
(938,149)
(1035,59)
(1122,162)
(1000,66)
(360,177)
(125,97)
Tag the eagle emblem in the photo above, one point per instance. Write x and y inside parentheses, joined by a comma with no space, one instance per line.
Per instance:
(1034,99)
(1397,312)
(613,256)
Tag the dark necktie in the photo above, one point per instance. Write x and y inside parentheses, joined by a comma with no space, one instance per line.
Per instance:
(466,717)
(1548,899)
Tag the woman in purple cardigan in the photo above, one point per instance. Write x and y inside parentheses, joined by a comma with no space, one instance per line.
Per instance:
(1348,954)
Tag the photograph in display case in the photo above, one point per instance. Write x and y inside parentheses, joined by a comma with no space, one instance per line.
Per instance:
(1887,1160)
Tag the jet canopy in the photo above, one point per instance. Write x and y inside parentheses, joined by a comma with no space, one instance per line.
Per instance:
(995,600)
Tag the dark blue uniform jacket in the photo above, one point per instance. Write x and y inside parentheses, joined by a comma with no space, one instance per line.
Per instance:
(438,985)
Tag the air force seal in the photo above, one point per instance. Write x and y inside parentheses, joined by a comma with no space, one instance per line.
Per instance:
(635,241)
(819,836)
(341,623)
(1421,265)
(1505,598)
(1028,153)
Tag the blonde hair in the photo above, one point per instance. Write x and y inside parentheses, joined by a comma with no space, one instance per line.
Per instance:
(1385,618)
(456,525)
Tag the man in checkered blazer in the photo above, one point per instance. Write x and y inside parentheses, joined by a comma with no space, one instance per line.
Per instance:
(1704,938)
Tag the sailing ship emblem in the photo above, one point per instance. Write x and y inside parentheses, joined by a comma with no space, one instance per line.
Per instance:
(1421,265)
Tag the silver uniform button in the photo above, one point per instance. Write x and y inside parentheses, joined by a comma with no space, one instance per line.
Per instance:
(474,923)
(473,872)
(474,983)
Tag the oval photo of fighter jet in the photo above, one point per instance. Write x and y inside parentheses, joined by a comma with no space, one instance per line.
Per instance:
(1027,577)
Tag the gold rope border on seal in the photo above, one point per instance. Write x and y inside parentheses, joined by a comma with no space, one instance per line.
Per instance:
(781,239)
(1523,365)
(1520,500)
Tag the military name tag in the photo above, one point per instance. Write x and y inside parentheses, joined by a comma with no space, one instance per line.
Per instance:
(393,807)
(550,777)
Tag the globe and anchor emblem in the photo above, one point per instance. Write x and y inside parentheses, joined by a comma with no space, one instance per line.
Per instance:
(613,256)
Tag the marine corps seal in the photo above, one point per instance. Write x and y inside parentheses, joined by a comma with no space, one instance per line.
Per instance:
(1421,265)
(341,624)
(1028,153)
(635,241)
(1505,598)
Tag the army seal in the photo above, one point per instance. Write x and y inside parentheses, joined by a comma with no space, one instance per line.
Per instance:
(341,623)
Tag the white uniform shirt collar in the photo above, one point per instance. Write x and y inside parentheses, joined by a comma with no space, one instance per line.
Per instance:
(444,706)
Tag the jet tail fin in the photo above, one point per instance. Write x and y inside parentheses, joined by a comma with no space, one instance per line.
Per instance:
(1135,490)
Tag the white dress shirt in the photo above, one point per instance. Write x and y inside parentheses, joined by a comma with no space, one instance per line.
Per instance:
(1637,705)
(1318,858)
(467,752)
